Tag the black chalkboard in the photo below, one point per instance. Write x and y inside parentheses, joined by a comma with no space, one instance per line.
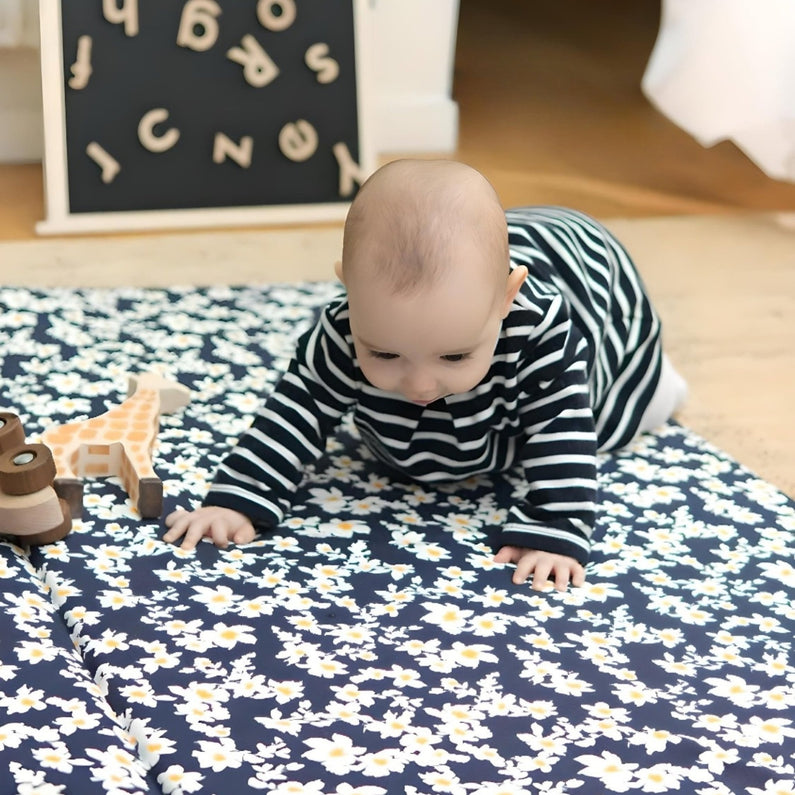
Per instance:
(179,104)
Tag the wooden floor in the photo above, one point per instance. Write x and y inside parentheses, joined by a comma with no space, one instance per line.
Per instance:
(551,111)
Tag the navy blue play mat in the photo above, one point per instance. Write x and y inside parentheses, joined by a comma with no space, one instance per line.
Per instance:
(369,644)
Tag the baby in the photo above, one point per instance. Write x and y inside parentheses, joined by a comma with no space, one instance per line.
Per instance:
(464,345)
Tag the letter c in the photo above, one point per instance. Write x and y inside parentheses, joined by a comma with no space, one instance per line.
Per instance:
(147,137)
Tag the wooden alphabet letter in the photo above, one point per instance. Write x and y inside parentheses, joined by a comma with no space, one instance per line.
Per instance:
(318,60)
(276,22)
(298,141)
(109,165)
(126,13)
(258,68)
(224,147)
(198,14)
(350,171)
(146,134)
(81,68)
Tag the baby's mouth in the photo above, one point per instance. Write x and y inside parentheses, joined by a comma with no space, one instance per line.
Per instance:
(428,402)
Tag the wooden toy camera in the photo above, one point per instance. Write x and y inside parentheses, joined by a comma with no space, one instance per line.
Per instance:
(30,510)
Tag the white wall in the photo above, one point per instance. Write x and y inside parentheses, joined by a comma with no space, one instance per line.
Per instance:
(413,51)
(414,55)
(21,135)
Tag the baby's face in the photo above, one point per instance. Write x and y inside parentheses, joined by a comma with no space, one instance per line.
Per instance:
(430,344)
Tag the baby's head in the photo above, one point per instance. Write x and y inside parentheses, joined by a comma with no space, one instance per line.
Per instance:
(426,265)
(411,219)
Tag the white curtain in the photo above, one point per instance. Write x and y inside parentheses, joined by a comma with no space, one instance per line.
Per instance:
(725,69)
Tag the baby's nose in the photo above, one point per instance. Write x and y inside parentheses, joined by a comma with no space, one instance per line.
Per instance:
(419,384)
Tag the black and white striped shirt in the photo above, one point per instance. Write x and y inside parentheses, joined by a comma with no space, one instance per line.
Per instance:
(576,363)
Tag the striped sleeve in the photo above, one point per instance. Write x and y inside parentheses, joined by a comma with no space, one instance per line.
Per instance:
(558,455)
(260,475)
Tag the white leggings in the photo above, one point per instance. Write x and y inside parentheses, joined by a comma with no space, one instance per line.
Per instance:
(671,393)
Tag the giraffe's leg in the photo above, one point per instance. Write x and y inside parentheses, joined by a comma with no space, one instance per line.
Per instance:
(141,483)
(68,486)
(150,497)
(70,490)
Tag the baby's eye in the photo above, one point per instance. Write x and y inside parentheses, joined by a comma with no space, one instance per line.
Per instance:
(383,355)
(455,357)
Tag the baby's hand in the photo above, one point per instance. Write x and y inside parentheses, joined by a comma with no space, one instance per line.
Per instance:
(221,524)
(541,565)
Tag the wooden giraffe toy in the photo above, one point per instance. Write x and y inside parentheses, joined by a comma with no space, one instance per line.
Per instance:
(118,442)
(30,510)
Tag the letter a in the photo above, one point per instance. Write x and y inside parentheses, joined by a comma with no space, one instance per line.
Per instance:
(198,14)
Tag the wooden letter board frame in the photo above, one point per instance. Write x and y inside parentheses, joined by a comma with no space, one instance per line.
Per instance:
(257,116)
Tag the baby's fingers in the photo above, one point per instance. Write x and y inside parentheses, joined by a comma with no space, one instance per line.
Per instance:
(189,525)
(563,574)
(244,535)
(578,576)
(541,573)
(567,571)
(525,567)
(506,555)
(220,532)
(177,522)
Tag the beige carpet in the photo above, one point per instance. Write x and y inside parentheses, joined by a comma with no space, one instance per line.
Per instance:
(724,285)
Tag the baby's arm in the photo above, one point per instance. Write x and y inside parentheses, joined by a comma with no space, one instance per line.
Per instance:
(541,565)
(221,524)
(255,483)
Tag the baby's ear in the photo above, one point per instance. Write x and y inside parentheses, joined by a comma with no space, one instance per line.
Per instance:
(338,270)
(516,279)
